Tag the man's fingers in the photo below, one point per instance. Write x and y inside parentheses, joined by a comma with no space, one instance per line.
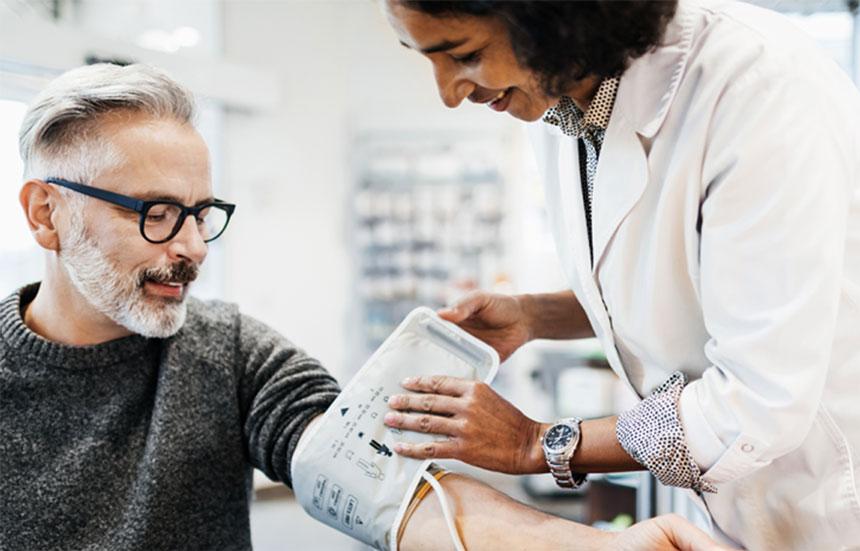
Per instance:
(687,537)
(438,384)
(425,403)
(426,423)
(429,450)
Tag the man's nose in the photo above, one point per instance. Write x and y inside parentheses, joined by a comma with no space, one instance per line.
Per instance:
(188,243)
(453,89)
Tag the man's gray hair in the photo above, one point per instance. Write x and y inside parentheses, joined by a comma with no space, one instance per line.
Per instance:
(59,136)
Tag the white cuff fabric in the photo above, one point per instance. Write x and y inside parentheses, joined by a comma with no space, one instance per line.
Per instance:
(702,441)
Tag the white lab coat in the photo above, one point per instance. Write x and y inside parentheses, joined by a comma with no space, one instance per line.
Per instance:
(727,245)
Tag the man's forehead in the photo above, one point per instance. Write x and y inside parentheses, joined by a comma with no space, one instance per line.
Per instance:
(156,187)
(155,159)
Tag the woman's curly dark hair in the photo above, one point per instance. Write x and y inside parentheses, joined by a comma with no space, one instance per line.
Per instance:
(563,42)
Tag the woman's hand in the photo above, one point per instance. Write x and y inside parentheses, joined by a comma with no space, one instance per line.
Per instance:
(498,320)
(666,532)
(483,428)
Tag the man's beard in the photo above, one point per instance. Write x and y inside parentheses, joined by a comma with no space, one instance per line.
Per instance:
(121,296)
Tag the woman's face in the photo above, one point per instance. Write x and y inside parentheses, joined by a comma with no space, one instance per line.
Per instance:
(472,59)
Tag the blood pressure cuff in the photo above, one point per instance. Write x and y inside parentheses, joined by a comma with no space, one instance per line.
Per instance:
(345,473)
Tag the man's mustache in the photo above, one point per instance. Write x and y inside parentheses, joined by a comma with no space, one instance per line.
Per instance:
(178,272)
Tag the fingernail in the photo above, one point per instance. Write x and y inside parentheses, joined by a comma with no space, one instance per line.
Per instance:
(399,448)
(408,381)
(390,417)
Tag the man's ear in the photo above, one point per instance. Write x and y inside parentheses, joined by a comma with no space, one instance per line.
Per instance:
(39,201)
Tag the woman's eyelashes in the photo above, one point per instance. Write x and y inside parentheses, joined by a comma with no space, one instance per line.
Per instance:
(467,59)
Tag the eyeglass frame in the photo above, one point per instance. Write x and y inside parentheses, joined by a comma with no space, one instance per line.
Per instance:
(142,207)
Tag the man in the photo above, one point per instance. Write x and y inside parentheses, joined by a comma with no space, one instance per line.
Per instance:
(131,416)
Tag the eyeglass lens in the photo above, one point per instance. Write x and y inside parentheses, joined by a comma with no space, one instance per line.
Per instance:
(161,218)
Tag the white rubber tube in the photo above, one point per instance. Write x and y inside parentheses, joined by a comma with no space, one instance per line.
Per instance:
(446,511)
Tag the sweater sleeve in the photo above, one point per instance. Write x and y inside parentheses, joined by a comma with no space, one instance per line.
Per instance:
(281,389)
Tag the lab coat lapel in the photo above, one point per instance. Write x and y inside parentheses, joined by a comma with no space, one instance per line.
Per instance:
(574,211)
(622,175)
(575,253)
(645,93)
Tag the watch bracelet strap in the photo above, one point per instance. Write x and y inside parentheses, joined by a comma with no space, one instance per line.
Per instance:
(561,470)
(565,476)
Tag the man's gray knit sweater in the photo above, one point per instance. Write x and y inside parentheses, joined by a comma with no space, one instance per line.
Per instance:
(147,444)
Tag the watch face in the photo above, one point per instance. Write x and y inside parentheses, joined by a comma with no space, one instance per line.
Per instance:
(558,437)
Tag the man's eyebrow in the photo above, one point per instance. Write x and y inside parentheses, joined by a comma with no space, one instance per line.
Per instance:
(441,47)
(171,198)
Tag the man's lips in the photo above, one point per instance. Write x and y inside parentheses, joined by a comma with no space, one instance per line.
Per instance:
(170,290)
(169,282)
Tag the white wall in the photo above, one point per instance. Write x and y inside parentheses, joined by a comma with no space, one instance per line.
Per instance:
(342,72)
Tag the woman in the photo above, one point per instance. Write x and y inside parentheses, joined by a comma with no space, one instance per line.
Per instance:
(702,170)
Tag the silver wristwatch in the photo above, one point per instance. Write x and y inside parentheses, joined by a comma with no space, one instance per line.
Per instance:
(559,444)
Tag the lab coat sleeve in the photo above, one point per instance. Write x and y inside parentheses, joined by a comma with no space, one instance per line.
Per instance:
(653,435)
(776,188)
(281,389)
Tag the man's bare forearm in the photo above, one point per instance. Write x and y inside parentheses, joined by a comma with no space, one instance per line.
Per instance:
(489,520)
(555,316)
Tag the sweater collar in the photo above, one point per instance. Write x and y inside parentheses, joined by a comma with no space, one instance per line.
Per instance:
(19,339)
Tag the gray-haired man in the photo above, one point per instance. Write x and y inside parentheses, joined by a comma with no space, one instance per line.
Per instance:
(131,415)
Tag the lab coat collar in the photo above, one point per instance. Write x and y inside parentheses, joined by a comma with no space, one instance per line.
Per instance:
(645,94)
(650,83)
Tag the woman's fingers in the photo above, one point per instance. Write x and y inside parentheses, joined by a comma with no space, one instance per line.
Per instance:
(438,384)
(464,308)
(422,422)
(425,403)
(428,450)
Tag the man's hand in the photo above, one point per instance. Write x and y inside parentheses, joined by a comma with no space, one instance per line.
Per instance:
(498,320)
(666,532)
(483,428)
(488,520)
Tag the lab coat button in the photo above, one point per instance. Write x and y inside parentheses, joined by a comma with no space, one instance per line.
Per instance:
(747,448)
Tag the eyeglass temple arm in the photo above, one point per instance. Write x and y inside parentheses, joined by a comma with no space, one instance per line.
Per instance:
(136,205)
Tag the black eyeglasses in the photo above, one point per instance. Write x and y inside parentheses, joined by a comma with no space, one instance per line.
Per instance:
(160,221)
